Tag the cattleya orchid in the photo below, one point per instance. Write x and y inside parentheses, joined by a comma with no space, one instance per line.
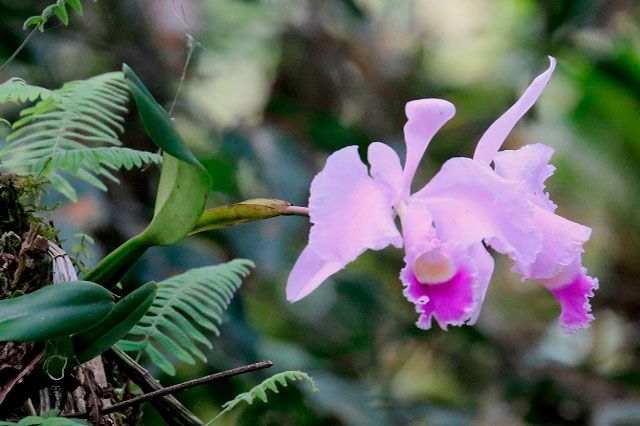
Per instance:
(447,224)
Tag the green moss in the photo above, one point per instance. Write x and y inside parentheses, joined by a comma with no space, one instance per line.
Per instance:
(25,264)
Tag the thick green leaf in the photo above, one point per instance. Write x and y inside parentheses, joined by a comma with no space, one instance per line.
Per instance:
(156,121)
(184,184)
(54,311)
(116,325)
(182,193)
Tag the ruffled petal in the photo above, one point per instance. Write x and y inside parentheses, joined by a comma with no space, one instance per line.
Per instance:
(452,301)
(529,165)
(426,117)
(308,273)
(386,168)
(562,242)
(573,289)
(562,239)
(350,211)
(470,203)
(495,135)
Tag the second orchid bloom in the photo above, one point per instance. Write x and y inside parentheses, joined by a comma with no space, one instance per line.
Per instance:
(446,224)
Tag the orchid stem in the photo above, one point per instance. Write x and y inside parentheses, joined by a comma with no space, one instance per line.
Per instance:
(113,267)
(246,211)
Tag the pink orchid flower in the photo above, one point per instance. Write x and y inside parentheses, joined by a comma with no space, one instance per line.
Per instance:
(447,224)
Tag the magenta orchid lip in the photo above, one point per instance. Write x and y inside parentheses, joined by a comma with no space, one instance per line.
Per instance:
(445,225)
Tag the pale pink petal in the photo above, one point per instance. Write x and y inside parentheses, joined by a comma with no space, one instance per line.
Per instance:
(450,302)
(573,289)
(386,168)
(562,242)
(350,211)
(529,165)
(470,203)
(426,117)
(484,270)
(558,265)
(495,135)
(417,223)
(308,273)
(562,239)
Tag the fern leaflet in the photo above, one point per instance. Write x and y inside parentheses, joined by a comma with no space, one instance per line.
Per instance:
(17,90)
(260,391)
(73,130)
(183,303)
(59,9)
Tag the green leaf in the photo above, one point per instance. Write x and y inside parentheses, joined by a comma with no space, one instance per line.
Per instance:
(116,325)
(182,191)
(58,9)
(156,121)
(61,12)
(54,311)
(180,200)
(184,302)
(49,419)
(76,5)
(33,21)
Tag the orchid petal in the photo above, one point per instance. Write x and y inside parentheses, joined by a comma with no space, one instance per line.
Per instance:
(470,203)
(425,118)
(417,223)
(562,242)
(308,273)
(573,289)
(529,165)
(493,138)
(350,211)
(386,168)
(484,270)
(450,302)
(562,239)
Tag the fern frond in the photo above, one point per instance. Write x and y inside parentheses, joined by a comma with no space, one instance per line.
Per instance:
(96,159)
(260,391)
(17,90)
(184,305)
(59,9)
(72,130)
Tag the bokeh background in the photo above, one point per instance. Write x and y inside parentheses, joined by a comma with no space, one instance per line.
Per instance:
(275,86)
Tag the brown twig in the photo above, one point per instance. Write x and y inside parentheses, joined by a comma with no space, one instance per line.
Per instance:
(168,407)
(27,370)
(22,261)
(95,403)
(181,386)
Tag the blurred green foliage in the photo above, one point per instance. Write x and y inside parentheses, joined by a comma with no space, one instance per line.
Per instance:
(277,85)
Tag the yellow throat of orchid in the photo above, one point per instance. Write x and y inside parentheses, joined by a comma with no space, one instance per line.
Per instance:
(433,267)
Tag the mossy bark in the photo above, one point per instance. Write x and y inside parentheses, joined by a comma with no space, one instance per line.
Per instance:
(26,265)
